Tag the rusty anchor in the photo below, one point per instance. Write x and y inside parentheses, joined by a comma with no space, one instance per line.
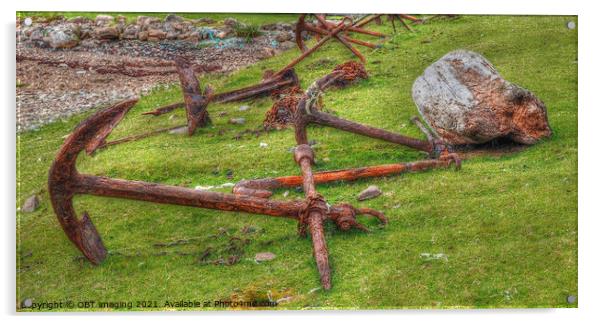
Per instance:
(324,30)
(64,182)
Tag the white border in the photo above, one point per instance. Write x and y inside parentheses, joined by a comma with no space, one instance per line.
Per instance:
(589,109)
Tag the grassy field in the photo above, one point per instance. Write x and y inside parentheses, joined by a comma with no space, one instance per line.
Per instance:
(507,224)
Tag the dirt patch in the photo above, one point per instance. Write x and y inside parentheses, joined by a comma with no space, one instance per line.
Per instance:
(53,84)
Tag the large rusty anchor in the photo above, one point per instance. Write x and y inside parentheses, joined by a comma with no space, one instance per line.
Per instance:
(64,182)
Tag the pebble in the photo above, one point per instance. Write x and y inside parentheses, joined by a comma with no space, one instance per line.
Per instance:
(31,204)
(244,108)
(179,131)
(369,193)
(263,145)
(237,121)
(264,256)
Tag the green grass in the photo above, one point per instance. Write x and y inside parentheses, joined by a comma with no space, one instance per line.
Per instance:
(508,224)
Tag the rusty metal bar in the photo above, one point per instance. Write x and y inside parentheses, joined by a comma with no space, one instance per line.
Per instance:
(341,39)
(325,119)
(321,31)
(195,101)
(263,187)
(287,79)
(340,27)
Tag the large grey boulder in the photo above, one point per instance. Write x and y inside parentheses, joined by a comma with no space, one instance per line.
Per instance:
(466,101)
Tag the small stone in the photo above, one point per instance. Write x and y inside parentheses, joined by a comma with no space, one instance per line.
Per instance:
(171,18)
(106,33)
(230,22)
(284,36)
(264,256)
(143,35)
(31,204)
(130,32)
(263,145)
(370,192)
(571,299)
(155,35)
(237,121)
(287,44)
(179,131)
(285,194)
(244,108)
(103,20)
(205,21)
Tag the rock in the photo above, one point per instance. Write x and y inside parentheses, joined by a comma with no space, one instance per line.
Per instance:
(89,43)
(369,193)
(465,101)
(62,37)
(155,35)
(244,108)
(179,131)
(80,20)
(267,52)
(121,20)
(130,32)
(237,121)
(287,45)
(264,256)
(106,33)
(277,27)
(230,22)
(145,21)
(143,35)
(284,36)
(141,20)
(37,34)
(263,145)
(171,35)
(103,20)
(203,21)
(31,204)
(171,18)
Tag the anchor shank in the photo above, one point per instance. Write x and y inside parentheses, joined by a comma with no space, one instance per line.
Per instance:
(166,194)
(353,127)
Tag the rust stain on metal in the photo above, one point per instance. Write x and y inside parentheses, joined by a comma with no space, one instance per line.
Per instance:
(195,101)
